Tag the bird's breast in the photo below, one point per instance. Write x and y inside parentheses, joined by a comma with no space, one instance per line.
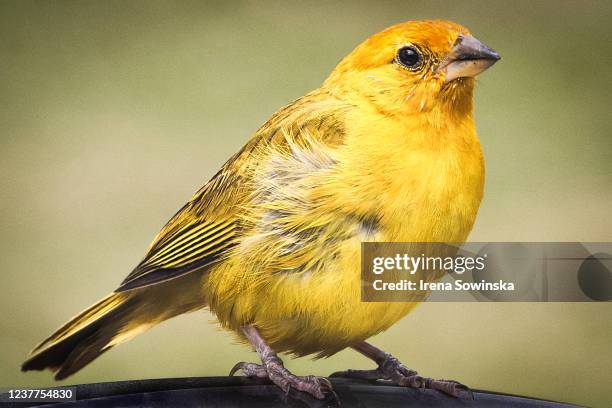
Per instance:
(422,183)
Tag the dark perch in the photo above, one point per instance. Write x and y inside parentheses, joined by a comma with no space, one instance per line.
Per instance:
(242,392)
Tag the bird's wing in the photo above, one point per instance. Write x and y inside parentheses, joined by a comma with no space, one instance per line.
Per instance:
(197,236)
(208,226)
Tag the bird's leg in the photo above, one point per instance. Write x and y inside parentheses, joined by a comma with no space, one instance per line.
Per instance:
(272,367)
(391,369)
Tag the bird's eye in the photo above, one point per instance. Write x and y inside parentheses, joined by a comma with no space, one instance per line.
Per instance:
(409,57)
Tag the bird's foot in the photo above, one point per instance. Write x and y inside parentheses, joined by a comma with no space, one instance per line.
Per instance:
(392,370)
(274,369)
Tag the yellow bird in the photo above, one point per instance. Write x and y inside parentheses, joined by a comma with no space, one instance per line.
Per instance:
(385,150)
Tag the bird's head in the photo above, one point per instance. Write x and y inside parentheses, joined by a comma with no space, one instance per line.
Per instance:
(414,67)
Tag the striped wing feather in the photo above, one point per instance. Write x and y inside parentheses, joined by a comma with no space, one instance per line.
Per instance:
(204,230)
(196,237)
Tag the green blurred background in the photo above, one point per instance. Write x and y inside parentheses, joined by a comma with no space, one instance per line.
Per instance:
(113,113)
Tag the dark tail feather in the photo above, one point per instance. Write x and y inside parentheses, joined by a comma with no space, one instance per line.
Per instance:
(113,320)
(86,336)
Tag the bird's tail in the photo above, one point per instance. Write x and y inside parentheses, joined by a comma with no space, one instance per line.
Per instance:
(86,336)
(116,318)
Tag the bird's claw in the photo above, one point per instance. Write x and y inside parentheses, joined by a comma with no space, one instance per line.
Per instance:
(393,371)
(318,387)
(250,370)
(393,367)
(449,387)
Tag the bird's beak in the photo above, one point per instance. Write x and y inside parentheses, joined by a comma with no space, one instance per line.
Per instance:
(468,58)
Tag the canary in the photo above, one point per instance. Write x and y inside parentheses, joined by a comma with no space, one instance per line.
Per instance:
(385,150)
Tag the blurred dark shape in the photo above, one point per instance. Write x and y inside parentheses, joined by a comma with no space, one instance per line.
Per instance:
(242,392)
(595,276)
(510,262)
